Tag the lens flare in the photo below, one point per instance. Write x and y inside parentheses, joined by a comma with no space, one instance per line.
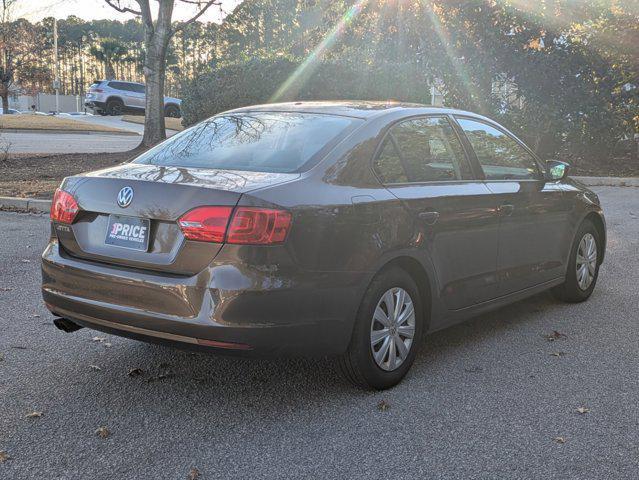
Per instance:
(294,82)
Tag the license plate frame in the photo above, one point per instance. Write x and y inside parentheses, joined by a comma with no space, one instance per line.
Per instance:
(133,233)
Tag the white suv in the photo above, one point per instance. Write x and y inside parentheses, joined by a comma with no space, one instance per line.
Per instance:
(114,97)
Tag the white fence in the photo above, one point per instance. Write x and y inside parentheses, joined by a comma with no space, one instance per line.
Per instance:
(45,102)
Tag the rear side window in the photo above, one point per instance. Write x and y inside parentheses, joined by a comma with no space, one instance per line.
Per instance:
(501,157)
(137,88)
(421,150)
(253,141)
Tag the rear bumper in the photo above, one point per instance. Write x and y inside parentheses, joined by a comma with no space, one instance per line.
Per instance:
(224,308)
(94,104)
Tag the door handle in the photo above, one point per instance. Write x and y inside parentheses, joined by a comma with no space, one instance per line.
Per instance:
(506,210)
(430,218)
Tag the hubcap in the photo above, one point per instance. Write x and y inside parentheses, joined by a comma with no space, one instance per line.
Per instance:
(586,263)
(392,329)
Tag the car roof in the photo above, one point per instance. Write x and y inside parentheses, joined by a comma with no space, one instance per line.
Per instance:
(356,109)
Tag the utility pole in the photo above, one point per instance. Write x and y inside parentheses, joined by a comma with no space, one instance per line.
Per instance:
(56,81)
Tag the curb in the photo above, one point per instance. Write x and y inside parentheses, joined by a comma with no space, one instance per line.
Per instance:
(33,205)
(609,181)
(67,132)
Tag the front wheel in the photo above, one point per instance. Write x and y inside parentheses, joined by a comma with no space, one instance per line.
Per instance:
(387,333)
(583,267)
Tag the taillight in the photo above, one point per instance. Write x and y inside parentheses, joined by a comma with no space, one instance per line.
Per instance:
(64,208)
(206,224)
(258,226)
(246,226)
(96,90)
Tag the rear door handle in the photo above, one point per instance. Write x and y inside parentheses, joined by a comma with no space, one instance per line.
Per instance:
(430,218)
(506,210)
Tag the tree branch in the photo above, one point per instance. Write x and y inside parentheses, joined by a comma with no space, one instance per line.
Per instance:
(122,9)
(204,7)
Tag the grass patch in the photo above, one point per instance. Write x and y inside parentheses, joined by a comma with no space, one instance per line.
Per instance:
(171,123)
(50,122)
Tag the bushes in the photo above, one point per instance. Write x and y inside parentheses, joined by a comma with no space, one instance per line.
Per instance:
(268,80)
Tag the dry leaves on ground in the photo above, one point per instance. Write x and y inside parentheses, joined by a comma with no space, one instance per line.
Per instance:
(4,456)
(583,410)
(95,367)
(34,415)
(383,405)
(103,432)
(555,335)
(135,372)
(558,354)
(560,440)
(194,474)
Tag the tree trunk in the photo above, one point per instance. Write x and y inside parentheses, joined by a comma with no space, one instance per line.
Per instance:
(4,94)
(154,127)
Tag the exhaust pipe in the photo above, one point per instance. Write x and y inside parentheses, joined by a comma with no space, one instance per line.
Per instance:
(66,325)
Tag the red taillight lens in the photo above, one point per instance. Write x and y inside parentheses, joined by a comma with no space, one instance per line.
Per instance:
(96,90)
(206,224)
(64,208)
(259,226)
(248,225)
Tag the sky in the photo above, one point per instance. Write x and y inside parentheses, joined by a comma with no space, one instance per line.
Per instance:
(35,10)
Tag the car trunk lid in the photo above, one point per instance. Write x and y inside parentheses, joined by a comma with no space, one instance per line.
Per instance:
(162,195)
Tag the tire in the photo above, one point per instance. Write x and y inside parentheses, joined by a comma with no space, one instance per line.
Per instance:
(358,364)
(172,111)
(114,107)
(571,291)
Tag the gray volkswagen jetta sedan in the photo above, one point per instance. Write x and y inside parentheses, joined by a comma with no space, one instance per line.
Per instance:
(319,228)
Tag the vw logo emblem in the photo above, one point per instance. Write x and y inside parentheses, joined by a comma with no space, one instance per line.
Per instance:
(125,197)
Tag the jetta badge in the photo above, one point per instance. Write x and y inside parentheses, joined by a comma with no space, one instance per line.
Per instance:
(125,197)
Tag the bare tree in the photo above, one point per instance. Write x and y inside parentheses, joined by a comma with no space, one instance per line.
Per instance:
(157,35)
(6,67)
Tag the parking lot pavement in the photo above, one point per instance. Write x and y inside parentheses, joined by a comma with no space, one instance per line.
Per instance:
(491,398)
(69,142)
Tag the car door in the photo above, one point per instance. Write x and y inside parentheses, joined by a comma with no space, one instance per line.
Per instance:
(138,95)
(423,163)
(534,227)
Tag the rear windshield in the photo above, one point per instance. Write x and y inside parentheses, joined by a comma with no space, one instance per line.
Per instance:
(253,141)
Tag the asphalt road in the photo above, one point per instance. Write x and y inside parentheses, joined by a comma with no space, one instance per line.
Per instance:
(485,399)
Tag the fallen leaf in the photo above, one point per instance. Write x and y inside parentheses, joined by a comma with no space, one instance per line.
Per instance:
(583,410)
(555,335)
(103,432)
(4,456)
(5,289)
(383,405)
(34,415)
(106,344)
(25,260)
(194,474)
(560,440)
(135,372)
(558,354)
(98,339)
(18,347)
(95,367)
(35,315)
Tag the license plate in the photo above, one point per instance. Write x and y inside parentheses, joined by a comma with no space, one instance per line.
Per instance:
(128,232)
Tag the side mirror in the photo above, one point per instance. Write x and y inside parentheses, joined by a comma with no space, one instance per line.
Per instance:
(556,170)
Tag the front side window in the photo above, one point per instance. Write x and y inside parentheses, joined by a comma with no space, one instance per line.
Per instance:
(501,157)
(421,150)
(253,141)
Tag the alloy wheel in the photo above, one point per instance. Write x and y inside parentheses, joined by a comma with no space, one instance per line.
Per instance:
(586,264)
(392,329)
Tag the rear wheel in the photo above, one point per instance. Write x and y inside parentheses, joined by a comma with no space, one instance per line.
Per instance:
(387,333)
(172,111)
(114,107)
(583,267)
